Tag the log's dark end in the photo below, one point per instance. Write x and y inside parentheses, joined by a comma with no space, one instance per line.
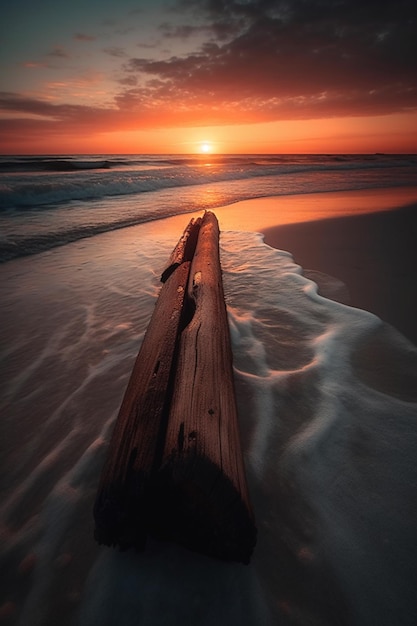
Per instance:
(198,507)
(191,502)
(120,519)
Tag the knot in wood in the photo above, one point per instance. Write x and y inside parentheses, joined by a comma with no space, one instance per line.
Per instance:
(196,279)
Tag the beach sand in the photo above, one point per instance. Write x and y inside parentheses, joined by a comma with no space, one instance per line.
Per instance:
(325,396)
(360,248)
(260,213)
(373,255)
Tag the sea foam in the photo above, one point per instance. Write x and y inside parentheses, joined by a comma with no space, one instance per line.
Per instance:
(329,446)
(47,202)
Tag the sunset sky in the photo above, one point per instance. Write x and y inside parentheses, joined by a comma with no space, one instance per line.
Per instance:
(167,76)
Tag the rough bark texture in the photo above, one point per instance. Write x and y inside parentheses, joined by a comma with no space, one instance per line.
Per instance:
(202,476)
(121,509)
(175,467)
(185,248)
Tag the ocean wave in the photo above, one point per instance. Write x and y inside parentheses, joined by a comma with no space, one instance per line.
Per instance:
(47,209)
(329,448)
(58,164)
(46,192)
(34,244)
(37,182)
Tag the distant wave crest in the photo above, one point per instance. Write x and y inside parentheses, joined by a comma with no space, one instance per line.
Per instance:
(50,201)
(33,182)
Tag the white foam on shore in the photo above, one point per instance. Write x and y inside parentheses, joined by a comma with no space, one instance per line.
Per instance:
(329,447)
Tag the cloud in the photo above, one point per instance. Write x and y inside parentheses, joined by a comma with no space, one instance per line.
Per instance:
(58,52)
(298,59)
(34,64)
(84,37)
(170,31)
(129,81)
(19,104)
(78,118)
(146,46)
(261,61)
(115,51)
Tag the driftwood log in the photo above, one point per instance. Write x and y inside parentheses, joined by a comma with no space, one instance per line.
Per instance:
(202,477)
(175,466)
(122,504)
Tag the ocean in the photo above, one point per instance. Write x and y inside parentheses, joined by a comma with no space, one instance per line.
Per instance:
(326,392)
(50,201)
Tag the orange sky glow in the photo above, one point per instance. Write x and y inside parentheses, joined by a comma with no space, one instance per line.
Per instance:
(229,77)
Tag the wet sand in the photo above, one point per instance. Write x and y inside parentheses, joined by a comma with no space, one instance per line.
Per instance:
(374,255)
(358,246)
(329,437)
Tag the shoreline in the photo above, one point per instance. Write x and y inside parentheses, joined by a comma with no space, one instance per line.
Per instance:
(358,246)
(326,401)
(373,255)
(257,214)
(254,215)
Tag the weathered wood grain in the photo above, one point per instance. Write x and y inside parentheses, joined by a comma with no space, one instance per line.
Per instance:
(185,248)
(203,499)
(174,467)
(121,508)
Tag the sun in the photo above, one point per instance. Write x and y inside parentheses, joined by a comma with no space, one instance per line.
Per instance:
(205,147)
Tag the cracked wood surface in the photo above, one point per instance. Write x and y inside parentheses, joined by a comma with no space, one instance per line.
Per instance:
(122,501)
(202,468)
(175,467)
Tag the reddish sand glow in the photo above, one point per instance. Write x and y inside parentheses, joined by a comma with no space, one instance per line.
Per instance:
(262,213)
